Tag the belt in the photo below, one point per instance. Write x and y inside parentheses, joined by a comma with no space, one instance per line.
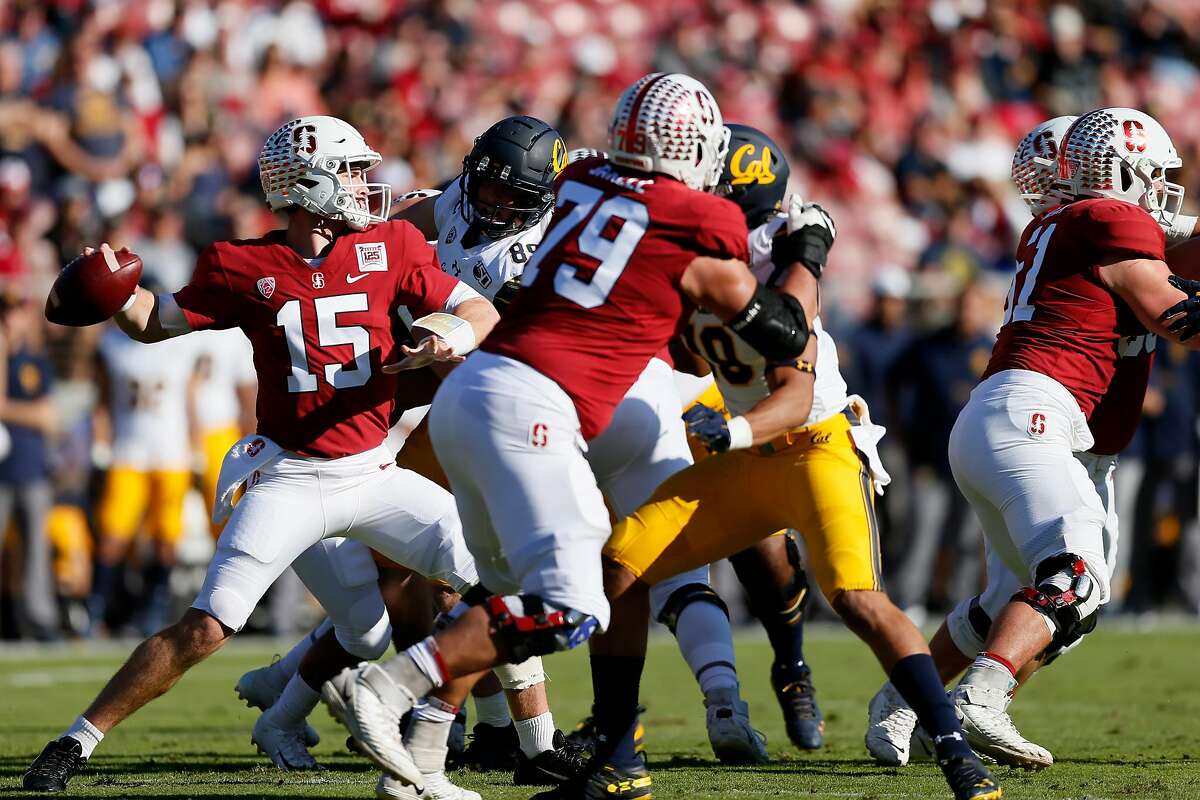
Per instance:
(817,433)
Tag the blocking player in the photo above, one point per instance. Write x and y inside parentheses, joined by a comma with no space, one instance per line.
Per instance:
(511,425)
(318,302)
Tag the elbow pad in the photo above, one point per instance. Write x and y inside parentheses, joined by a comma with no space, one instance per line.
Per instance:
(774,324)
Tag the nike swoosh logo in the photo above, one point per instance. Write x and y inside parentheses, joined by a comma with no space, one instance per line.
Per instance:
(358,277)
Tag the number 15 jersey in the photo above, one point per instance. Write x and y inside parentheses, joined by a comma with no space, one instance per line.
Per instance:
(601,295)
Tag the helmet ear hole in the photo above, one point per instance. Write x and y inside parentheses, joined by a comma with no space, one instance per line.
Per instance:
(1126,177)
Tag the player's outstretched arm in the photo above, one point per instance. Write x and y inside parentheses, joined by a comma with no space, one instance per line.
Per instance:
(1144,284)
(417,208)
(448,337)
(140,320)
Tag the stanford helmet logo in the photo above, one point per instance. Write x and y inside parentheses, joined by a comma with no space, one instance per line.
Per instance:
(266,287)
(1135,136)
(305,139)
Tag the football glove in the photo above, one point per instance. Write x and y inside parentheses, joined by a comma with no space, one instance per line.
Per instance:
(715,432)
(809,237)
(1186,313)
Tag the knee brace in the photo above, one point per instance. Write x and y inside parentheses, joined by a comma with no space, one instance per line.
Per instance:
(683,597)
(969,625)
(531,627)
(516,677)
(367,632)
(1065,594)
(1061,643)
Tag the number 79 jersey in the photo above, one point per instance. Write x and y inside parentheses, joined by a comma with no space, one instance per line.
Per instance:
(1059,319)
(601,295)
(320,331)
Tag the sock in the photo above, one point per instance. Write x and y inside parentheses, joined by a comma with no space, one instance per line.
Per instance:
(916,678)
(419,668)
(616,681)
(428,732)
(536,735)
(706,641)
(281,671)
(785,630)
(493,710)
(991,671)
(295,703)
(87,734)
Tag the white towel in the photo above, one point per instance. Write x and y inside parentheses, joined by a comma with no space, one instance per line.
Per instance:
(866,435)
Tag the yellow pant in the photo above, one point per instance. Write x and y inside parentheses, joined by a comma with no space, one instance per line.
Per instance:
(216,443)
(727,502)
(132,495)
(67,529)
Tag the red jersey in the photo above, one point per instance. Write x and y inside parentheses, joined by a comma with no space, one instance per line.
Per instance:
(601,295)
(1061,321)
(320,331)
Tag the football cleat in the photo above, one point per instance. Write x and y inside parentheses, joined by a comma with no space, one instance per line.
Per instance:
(334,695)
(969,779)
(55,766)
(437,787)
(584,734)
(258,691)
(491,749)
(604,782)
(732,738)
(558,765)
(990,730)
(890,726)
(797,698)
(371,707)
(284,746)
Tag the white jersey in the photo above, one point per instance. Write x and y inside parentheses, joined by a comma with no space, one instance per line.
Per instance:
(148,400)
(489,262)
(224,361)
(740,372)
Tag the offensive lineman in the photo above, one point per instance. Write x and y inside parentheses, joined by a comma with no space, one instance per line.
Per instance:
(318,302)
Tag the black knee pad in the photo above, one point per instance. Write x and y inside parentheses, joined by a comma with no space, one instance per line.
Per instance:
(531,627)
(683,597)
(1064,641)
(978,619)
(1063,588)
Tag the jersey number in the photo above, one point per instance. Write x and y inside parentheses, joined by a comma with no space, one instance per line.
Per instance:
(1017,307)
(329,333)
(612,251)
(715,345)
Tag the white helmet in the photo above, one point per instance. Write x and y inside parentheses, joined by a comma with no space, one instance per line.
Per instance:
(307,163)
(1035,164)
(669,123)
(1124,154)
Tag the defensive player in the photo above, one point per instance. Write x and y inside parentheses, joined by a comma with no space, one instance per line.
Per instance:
(318,302)
(1067,375)
(511,426)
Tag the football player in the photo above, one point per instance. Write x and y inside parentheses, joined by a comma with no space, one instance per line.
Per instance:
(512,425)
(318,302)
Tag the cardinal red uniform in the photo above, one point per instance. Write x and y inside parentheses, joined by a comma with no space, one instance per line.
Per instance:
(600,299)
(1067,375)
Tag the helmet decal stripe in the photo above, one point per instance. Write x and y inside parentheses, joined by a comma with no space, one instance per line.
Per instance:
(631,124)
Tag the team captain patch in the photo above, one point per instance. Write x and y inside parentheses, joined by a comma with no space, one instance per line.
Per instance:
(372,256)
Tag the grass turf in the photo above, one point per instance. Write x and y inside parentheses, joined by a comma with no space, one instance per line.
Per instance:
(1121,716)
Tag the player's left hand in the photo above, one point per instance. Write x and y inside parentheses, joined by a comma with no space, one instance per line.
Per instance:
(709,426)
(430,350)
(1184,315)
(809,237)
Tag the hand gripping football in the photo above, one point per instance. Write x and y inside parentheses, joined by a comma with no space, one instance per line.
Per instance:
(93,286)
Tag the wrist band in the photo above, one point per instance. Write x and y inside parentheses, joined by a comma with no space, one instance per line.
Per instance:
(741,435)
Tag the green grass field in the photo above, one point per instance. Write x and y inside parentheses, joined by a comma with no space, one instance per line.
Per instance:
(1122,717)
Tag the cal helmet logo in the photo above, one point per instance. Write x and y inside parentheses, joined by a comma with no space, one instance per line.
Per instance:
(559,156)
(372,256)
(757,171)
(266,287)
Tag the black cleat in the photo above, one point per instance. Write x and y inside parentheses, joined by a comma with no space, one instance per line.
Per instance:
(969,779)
(797,697)
(604,782)
(57,764)
(584,734)
(491,749)
(565,762)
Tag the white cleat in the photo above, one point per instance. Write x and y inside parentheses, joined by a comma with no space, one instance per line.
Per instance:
(284,746)
(890,726)
(371,706)
(733,739)
(991,732)
(437,787)
(335,691)
(259,691)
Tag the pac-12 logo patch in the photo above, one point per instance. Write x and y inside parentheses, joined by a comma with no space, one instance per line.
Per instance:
(1037,423)
(372,256)
(539,434)
(266,287)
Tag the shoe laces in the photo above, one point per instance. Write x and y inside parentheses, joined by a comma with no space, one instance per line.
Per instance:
(898,719)
(800,696)
(57,760)
(572,756)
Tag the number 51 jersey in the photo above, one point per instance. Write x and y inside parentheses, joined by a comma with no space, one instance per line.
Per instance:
(601,295)
(320,330)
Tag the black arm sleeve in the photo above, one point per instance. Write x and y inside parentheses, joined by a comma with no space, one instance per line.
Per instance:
(774,324)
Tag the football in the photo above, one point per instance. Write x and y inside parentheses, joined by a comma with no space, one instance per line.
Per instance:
(93,287)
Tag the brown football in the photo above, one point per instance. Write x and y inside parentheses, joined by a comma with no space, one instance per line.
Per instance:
(93,287)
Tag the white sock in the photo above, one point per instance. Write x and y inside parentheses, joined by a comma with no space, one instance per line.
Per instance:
(987,671)
(493,710)
(296,703)
(282,670)
(424,655)
(87,734)
(536,735)
(427,734)
(706,642)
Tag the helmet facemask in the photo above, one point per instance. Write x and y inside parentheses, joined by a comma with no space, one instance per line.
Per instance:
(355,201)
(500,204)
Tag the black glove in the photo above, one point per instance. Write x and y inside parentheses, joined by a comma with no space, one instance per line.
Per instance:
(1186,313)
(507,293)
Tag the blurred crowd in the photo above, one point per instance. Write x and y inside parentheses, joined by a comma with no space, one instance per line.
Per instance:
(138,122)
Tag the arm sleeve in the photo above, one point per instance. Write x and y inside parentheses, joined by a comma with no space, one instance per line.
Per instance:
(207,300)
(1125,231)
(422,286)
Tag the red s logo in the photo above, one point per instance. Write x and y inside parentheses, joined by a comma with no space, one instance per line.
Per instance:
(1037,423)
(539,434)
(1135,136)
(305,139)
